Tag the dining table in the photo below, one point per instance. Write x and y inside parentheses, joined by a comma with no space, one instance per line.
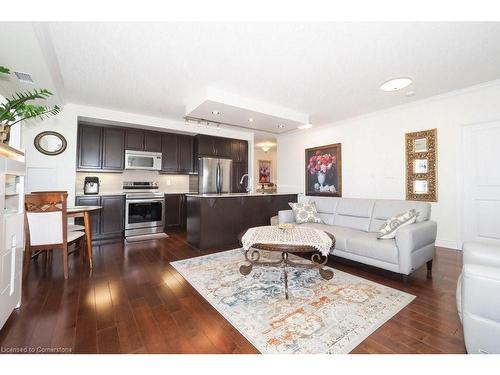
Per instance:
(85,211)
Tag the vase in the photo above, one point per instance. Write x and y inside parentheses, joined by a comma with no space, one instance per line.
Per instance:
(4,133)
(321,178)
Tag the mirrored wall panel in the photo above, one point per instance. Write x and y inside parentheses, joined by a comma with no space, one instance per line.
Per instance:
(421,166)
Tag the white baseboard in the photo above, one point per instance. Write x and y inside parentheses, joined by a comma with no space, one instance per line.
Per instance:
(450,244)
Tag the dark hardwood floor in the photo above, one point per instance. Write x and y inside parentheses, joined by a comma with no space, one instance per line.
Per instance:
(136,302)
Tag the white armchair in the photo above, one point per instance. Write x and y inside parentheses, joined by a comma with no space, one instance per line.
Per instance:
(478,297)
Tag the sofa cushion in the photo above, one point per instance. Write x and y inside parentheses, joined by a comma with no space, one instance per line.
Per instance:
(366,244)
(354,213)
(326,207)
(391,226)
(305,213)
(341,233)
(387,208)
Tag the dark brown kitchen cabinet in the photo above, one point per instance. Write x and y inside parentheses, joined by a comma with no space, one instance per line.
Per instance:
(169,152)
(109,221)
(134,140)
(185,150)
(112,216)
(239,151)
(152,141)
(206,145)
(177,153)
(175,211)
(213,146)
(113,148)
(89,147)
(239,169)
(143,140)
(100,148)
(223,147)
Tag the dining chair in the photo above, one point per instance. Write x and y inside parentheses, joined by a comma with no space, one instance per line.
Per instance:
(46,226)
(72,227)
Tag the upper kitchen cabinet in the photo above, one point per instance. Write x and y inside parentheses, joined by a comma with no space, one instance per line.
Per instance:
(239,151)
(177,153)
(213,146)
(113,148)
(152,141)
(143,140)
(185,152)
(89,147)
(100,148)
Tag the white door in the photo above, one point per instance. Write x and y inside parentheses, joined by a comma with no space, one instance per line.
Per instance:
(481,182)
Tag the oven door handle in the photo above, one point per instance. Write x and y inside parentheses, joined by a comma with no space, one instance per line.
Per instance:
(143,200)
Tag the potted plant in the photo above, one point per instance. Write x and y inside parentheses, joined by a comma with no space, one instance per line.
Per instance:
(18,108)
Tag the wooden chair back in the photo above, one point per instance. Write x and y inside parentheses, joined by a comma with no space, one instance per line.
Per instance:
(46,218)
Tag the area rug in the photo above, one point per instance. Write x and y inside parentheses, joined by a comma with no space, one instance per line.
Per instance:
(327,317)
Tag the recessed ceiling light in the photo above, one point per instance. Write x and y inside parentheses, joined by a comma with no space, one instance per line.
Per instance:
(396,84)
(305,126)
(281,126)
(215,112)
(250,119)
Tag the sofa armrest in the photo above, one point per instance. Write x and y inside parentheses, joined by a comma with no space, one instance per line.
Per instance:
(415,236)
(481,253)
(481,308)
(286,216)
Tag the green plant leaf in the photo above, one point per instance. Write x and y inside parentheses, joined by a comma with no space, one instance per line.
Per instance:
(4,70)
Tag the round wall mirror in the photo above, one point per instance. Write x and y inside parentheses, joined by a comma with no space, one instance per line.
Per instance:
(50,143)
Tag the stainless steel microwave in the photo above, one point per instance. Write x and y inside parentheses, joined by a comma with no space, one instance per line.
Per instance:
(142,160)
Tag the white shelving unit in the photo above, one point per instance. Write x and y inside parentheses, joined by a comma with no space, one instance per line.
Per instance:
(12,173)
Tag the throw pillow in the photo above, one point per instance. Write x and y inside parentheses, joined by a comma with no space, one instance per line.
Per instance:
(391,226)
(305,213)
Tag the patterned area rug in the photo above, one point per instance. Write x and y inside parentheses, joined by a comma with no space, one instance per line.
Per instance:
(319,317)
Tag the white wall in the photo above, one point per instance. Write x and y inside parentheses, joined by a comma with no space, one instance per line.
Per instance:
(59,172)
(373,151)
(261,155)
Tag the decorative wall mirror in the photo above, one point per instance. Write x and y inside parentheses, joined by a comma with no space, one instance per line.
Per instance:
(421,166)
(50,143)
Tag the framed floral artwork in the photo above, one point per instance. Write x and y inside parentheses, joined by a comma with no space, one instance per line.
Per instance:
(324,170)
(264,171)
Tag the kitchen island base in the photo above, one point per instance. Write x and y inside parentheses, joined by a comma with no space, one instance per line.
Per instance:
(215,221)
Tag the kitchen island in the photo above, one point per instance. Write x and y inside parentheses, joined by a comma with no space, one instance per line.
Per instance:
(215,220)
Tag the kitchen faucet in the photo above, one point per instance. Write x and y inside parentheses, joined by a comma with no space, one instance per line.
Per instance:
(248,182)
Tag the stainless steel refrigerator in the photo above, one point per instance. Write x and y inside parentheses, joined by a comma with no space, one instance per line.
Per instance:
(214,175)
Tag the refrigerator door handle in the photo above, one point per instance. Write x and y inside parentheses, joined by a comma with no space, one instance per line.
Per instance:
(218,179)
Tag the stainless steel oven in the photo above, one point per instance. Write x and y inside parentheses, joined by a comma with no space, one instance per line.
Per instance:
(144,210)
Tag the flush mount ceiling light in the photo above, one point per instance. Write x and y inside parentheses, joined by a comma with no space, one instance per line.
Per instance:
(305,126)
(396,84)
(250,119)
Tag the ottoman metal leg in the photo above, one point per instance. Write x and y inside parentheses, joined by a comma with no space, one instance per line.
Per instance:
(285,261)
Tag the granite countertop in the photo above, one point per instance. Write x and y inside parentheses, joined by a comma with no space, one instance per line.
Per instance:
(232,195)
(105,193)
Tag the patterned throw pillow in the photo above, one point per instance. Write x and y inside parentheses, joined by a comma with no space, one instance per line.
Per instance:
(305,213)
(390,227)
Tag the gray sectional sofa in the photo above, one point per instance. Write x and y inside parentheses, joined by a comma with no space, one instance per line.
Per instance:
(355,224)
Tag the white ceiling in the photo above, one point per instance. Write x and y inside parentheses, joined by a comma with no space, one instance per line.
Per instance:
(329,71)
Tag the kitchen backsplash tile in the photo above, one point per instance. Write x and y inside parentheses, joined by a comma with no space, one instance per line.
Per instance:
(113,182)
